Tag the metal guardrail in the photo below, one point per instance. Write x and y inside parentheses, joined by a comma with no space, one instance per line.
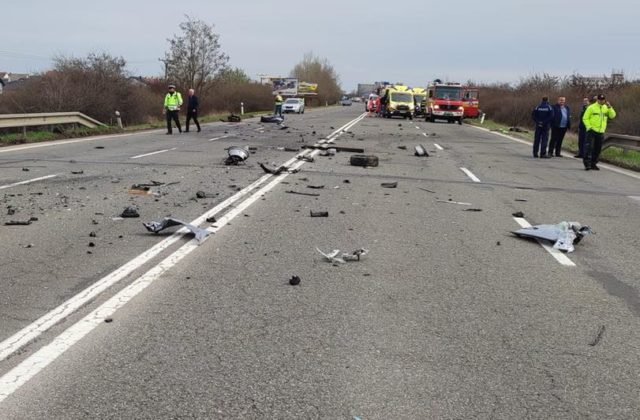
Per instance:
(622,141)
(49,118)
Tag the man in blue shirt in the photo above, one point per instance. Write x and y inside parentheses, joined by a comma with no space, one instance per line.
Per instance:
(543,116)
(561,123)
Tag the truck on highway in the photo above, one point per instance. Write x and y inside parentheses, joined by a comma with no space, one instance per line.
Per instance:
(398,101)
(471,102)
(444,102)
(419,98)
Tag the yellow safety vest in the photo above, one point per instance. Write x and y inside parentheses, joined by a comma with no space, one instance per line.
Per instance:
(173,101)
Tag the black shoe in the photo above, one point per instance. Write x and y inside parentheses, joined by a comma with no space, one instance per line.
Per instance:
(595,167)
(199,130)
(587,167)
(535,156)
(168,134)
(577,156)
(186,131)
(558,155)
(545,157)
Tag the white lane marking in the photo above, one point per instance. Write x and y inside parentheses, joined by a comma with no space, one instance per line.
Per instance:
(438,146)
(602,165)
(635,197)
(418,128)
(152,153)
(470,175)
(558,255)
(28,181)
(35,329)
(218,138)
(32,365)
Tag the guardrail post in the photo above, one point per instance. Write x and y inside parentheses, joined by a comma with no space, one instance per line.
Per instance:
(119,120)
(241,108)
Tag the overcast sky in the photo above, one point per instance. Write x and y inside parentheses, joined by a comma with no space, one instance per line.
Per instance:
(412,41)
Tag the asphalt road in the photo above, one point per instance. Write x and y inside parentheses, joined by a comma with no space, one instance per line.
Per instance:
(448,315)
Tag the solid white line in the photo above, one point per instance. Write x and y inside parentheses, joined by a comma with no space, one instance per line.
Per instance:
(557,254)
(151,154)
(438,146)
(35,329)
(31,366)
(470,175)
(28,181)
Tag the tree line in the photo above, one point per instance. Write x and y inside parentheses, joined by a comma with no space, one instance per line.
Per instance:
(100,83)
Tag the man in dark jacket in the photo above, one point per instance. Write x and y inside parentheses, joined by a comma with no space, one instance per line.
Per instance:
(543,116)
(582,130)
(192,109)
(561,123)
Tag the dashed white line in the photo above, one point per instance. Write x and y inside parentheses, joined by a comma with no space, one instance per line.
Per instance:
(558,255)
(31,366)
(417,127)
(152,153)
(28,181)
(470,175)
(424,134)
(438,146)
(218,138)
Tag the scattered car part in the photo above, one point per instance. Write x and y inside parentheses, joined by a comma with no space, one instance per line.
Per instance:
(454,202)
(303,193)
(518,214)
(271,119)
(364,160)
(421,151)
(17,223)
(167,222)
(294,280)
(336,258)
(234,118)
(236,155)
(337,148)
(315,187)
(319,213)
(564,234)
(130,212)
(389,185)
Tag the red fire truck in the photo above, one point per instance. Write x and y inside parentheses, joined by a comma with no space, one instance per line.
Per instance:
(471,102)
(444,102)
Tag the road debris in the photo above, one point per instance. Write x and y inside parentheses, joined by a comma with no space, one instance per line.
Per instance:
(211,219)
(518,214)
(306,158)
(402,147)
(364,160)
(319,213)
(389,185)
(17,223)
(336,258)
(421,151)
(302,193)
(25,169)
(337,148)
(80,172)
(454,202)
(328,152)
(472,210)
(236,155)
(294,280)
(521,200)
(271,119)
(234,118)
(168,222)
(564,235)
(315,187)
(598,337)
(201,194)
(424,189)
(279,170)
(99,147)
(130,212)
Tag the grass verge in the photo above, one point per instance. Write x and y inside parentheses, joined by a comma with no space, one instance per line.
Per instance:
(613,155)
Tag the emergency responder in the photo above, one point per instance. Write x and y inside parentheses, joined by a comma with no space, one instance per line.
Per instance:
(172,104)
(542,115)
(192,109)
(595,121)
(279,101)
(561,123)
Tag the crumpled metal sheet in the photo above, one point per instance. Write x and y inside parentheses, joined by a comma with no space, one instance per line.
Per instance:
(336,258)
(168,222)
(564,235)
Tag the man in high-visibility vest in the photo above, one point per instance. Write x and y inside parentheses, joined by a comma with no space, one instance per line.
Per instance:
(279,101)
(172,104)
(595,121)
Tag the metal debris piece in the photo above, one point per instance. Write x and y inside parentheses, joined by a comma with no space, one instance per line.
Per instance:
(279,170)
(271,119)
(336,258)
(236,155)
(364,160)
(472,210)
(25,169)
(421,151)
(328,152)
(211,219)
(234,118)
(201,194)
(130,211)
(294,280)
(518,214)
(80,172)
(564,235)
(306,158)
(315,187)
(454,202)
(167,222)
(319,213)
(389,185)
(402,147)
(17,223)
(303,193)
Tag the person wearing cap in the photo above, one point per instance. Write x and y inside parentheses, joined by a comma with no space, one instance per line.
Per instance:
(172,104)
(278,103)
(542,115)
(595,122)
(560,124)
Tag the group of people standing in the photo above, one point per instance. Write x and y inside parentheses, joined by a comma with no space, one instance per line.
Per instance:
(173,102)
(593,123)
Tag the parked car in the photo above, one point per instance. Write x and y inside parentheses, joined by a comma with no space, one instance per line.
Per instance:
(293,105)
(345,101)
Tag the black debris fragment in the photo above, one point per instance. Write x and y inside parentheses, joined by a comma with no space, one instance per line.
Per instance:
(472,210)
(130,212)
(92,244)
(518,214)
(520,199)
(211,219)
(201,194)
(319,213)
(234,118)
(424,189)
(498,243)
(271,119)
(294,280)
(92,234)
(389,185)
(77,172)
(346,181)
(11,211)
(17,223)
(99,147)
(25,169)
(598,337)
(315,187)
(108,320)
(402,147)
(306,158)
(167,222)
(302,193)
(364,160)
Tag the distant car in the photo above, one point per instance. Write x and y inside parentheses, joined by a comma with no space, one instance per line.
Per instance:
(293,105)
(356,99)
(345,101)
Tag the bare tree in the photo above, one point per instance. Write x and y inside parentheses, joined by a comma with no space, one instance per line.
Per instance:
(194,57)
(314,69)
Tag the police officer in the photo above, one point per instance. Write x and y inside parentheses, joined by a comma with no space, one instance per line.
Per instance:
(595,121)
(172,104)
(278,101)
(542,115)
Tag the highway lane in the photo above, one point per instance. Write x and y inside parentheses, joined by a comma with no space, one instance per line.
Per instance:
(448,316)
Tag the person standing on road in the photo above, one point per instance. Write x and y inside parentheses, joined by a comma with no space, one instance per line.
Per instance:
(192,109)
(543,116)
(595,121)
(582,131)
(172,104)
(561,123)
(278,103)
